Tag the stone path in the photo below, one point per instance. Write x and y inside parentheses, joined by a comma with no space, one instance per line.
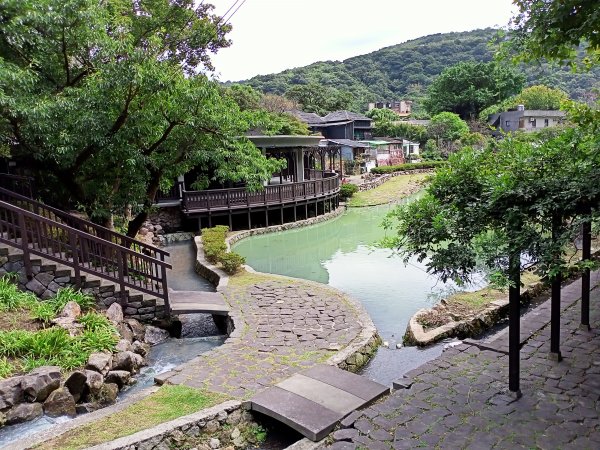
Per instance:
(460,399)
(282,326)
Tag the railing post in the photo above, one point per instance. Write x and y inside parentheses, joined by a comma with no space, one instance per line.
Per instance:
(121,274)
(25,246)
(165,290)
(227,193)
(280,194)
(75,256)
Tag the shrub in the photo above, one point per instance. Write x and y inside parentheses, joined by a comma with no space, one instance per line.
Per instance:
(232,262)
(213,241)
(347,190)
(407,167)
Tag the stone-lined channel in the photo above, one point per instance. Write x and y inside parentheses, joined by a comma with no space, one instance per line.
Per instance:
(342,254)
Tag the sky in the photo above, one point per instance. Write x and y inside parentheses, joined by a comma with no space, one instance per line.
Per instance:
(273,35)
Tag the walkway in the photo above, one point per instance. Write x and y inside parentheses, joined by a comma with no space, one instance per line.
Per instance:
(459,400)
(282,326)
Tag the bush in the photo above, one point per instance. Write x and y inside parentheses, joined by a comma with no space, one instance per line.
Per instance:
(232,262)
(347,190)
(407,167)
(213,241)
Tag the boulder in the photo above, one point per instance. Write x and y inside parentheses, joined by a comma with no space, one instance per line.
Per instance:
(138,360)
(125,361)
(24,412)
(2,419)
(124,346)
(76,384)
(119,377)
(155,335)
(115,313)
(71,310)
(84,408)
(125,332)
(93,382)
(140,348)
(11,393)
(60,403)
(100,362)
(108,394)
(136,327)
(40,382)
(68,323)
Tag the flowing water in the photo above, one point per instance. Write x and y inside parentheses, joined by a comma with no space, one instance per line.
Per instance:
(342,254)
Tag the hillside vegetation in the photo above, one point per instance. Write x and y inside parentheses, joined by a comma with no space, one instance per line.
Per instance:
(406,70)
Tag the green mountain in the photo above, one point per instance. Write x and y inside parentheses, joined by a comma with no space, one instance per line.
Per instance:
(405,70)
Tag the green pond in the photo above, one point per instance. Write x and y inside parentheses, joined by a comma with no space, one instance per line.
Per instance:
(342,253)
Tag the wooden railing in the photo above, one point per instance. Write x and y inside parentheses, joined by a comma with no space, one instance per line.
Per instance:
(16,183)
(84,252)
(199,201)
(172,195)
(80,224)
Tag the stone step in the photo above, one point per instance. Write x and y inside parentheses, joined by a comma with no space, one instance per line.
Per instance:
(314,401)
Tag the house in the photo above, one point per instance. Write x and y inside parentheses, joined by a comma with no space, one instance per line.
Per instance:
(402,108)
(394,151)
(338,124)
(526,119)
(358,157)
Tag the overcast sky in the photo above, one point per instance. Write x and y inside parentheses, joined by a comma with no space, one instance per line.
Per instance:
(273,35)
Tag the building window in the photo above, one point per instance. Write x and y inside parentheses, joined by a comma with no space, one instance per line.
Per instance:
(533,122)
(546,122)
(507,124)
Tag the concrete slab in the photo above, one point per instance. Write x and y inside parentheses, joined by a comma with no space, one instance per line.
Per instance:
(355,384)
(193,302)
(305,416)
(324,394)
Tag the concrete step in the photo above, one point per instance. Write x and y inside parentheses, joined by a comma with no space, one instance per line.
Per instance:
(314,401)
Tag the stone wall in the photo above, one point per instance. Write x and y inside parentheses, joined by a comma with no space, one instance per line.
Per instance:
(372,184)
(220,425)
(162,221)
(48,278)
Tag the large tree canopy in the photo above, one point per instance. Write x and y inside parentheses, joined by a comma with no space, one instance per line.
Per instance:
(469,87)
(108,100)
(533,97)
(555,29)
(313,97)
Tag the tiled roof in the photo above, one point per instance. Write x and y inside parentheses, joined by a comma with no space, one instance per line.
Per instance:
(338,116)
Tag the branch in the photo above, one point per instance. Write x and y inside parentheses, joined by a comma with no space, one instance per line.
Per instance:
(65,58)
(163,138)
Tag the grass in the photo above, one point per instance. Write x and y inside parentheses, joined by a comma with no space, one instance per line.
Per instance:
(26,340)
(168,403)
(391,191)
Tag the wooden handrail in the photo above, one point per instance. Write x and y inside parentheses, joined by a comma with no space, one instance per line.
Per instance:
(81,224)
(212,199)
(84,252)
(17,183)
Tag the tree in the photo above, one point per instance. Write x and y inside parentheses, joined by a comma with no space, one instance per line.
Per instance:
(555,29)
(468,87)
(533,97)
(383,115)
(447,126)
(108,101)
(319,99)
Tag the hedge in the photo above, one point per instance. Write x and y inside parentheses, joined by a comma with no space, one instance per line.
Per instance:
(407,167)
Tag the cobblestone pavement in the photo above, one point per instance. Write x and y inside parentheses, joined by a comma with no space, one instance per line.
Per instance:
(460,399)
(282,326)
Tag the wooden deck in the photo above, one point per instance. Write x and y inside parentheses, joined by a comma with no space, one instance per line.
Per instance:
(240,198)
(196,302)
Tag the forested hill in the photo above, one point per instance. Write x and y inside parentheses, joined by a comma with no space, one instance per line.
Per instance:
(405,70)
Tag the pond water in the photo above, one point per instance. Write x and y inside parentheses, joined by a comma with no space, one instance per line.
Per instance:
(341,253)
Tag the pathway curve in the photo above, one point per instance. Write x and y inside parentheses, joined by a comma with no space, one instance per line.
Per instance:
(459,400)
(283,325)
